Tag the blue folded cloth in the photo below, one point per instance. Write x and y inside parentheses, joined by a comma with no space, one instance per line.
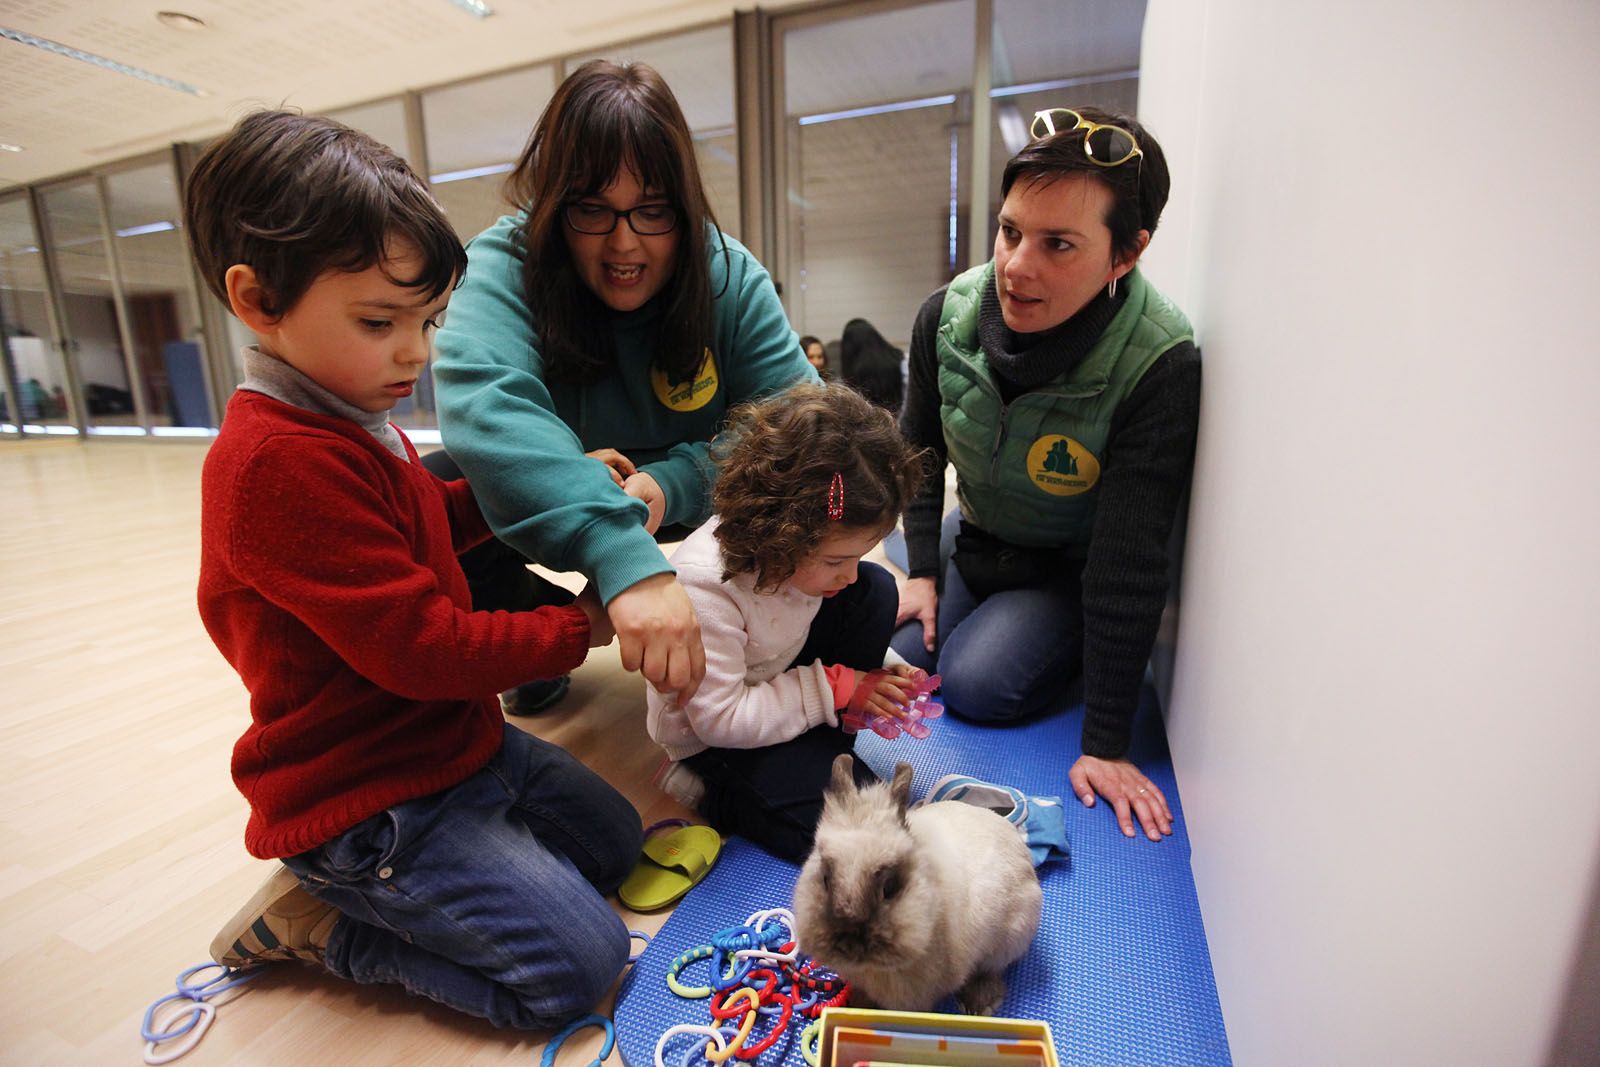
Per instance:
(1042,821)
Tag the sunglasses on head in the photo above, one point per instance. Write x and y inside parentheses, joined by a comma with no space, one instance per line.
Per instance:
(1106,146)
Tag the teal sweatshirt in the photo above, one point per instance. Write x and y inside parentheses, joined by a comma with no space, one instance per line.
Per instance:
(520,440)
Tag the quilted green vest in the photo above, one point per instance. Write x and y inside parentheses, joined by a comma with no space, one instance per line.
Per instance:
(1027,471)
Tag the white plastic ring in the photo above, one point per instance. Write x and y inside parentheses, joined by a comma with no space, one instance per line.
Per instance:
(189,1040)
(685,1028)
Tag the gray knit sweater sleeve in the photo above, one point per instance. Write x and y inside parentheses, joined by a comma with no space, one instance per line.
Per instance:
(919,422)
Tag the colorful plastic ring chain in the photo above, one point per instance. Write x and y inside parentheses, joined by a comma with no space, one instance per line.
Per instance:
(721,1055)
(711,1032)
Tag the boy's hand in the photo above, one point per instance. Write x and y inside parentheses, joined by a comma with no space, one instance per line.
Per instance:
(619,465)
(600,629)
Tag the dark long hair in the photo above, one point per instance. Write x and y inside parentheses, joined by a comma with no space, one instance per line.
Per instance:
(871,364)
(602,118)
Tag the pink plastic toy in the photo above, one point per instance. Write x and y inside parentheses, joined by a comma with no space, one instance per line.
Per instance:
(920,708)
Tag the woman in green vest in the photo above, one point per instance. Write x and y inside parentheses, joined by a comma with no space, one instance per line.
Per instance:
(1065,390)
(598,339)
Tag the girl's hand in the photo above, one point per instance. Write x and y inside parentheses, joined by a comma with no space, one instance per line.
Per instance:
(920,600)
(646,488)
(1130,792)
(660,634)
(619,465)
(889,692)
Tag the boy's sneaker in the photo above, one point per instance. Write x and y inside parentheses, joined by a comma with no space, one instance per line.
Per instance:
(281,922)
(531,698)
(680,783)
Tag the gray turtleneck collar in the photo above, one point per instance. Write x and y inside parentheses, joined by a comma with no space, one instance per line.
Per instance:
(1026,361)
(273,377)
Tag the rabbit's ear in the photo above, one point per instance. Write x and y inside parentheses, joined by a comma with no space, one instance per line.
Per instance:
(844,780)
(900,788)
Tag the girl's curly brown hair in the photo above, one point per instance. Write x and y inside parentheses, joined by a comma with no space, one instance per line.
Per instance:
(778,458)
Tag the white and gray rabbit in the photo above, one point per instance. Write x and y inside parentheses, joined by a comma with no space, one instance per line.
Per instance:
(912,905)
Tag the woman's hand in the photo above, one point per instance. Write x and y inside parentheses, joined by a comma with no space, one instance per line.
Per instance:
(920,600)
(1130,792)
(600,629)
(660,634)
(646,488)
(619,465)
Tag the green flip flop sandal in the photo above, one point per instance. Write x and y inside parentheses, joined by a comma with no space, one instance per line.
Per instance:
(672,864)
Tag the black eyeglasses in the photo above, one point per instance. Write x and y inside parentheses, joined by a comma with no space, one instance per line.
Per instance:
(1107,146)
(646,220)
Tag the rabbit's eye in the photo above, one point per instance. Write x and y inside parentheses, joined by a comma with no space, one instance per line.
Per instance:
(891,884)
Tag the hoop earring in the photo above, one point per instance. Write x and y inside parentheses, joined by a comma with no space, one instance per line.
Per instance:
(1112,292)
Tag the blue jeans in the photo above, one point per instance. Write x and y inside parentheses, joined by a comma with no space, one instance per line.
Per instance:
(1006,656)
(773,795)
(489,896)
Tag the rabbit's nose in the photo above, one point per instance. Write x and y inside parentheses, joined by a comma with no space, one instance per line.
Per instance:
(853,939)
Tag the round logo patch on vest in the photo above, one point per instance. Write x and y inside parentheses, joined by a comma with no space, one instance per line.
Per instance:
(690,394)
(1061,466)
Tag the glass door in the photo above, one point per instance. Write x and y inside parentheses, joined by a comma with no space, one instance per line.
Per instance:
(74,231)
(163,318)
(37,392)
(873,146)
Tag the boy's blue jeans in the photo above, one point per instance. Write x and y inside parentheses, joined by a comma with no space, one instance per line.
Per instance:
(489,896)
(1003,657)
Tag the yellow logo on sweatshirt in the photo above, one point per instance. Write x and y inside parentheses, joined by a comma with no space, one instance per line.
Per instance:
(690,394)
(1061,466)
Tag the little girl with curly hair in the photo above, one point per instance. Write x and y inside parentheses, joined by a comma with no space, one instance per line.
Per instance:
(791,618)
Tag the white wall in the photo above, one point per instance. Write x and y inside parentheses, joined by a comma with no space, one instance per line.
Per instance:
(1386,710)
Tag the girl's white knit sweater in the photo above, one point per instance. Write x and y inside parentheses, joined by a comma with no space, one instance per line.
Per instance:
(748,699)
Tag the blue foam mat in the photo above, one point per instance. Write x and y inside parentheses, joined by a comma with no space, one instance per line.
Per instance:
(1120,968)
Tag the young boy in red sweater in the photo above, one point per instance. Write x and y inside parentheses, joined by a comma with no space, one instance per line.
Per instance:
(424,841)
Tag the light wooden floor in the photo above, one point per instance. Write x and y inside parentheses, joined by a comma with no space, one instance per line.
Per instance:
(121,834)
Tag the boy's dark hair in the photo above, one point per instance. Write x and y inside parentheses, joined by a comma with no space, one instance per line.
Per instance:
(602,117)
(294,196)
(778,459)
(1138,187)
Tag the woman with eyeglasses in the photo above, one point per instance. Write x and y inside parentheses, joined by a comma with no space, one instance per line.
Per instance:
(597,341)
(1065,390)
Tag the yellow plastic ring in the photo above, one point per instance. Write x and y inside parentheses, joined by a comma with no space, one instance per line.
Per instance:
(811,1043)
(688,992)
(721,1055)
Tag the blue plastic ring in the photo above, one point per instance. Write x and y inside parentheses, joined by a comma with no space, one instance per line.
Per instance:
(549,1057)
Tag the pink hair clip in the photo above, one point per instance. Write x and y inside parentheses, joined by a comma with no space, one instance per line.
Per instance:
(836,497)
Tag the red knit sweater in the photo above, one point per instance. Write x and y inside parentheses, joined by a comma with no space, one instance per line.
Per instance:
(328,578)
